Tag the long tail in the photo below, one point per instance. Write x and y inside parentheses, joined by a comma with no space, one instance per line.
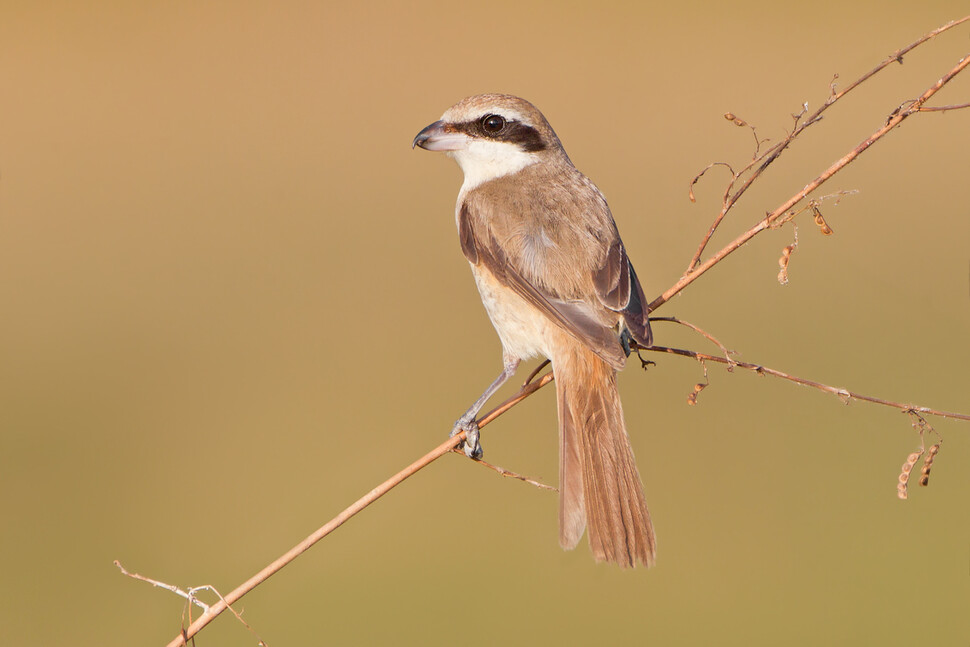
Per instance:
(599,484)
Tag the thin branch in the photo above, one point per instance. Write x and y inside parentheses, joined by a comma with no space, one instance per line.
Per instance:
(213,611)
(188,595)
(528,389)
(958,106)
(843,394)
(775,152)
(532,386)
(509,473)
(837,166)
(536,371)
(697,178)
(897,56)
(711,338)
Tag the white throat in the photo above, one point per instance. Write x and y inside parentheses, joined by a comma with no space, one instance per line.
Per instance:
(483,160)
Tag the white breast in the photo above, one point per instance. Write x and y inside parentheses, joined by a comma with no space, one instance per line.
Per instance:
(525,332)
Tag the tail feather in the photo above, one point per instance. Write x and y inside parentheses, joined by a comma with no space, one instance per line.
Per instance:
(598,479)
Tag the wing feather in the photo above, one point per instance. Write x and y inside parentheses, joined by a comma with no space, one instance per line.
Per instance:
(573,316)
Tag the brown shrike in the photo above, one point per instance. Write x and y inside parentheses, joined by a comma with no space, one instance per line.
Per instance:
(556,281)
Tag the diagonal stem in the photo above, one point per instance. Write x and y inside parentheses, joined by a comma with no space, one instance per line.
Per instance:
(836,166)
(769,156)
(358,505)
(842,393)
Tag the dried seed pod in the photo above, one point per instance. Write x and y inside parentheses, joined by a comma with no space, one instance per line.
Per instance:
(928,464)
(737,121)
(783,263)
(822,225)
(901,490)
(692,398)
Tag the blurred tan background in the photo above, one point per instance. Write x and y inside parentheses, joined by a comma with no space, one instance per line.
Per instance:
(233,301)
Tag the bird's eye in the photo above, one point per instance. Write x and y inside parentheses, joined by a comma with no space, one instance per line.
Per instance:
(493,124)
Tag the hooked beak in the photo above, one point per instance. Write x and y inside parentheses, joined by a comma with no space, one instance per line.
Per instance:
(436,137)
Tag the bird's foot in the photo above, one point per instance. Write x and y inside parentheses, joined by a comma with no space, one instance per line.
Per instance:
(471,444)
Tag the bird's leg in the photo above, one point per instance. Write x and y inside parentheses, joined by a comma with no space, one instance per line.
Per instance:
(468,424)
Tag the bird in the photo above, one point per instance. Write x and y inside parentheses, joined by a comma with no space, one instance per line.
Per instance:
(556,282)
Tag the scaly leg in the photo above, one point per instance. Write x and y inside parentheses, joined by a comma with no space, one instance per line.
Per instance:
(468,424)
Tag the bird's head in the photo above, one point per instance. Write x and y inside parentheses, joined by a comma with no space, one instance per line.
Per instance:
(492,135)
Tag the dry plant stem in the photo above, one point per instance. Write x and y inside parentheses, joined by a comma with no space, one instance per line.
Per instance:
(730,199)
(509,473)
(944,108)
(188,595)
(711,338)
(382,489)
(841,393)
(837,166)
(445,447)
(536,371)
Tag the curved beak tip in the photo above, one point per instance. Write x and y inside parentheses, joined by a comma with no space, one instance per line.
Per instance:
(427,134)
(436,138)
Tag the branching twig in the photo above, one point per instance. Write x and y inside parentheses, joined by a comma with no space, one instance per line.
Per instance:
(842,394)
(724,349)
(694,268)
(837,166)
(191,598)
(447,446)
(188,595)
(761,160)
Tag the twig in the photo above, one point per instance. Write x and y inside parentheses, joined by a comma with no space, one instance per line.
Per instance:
(843,394)
(190,597)
(837,166)
(695,272)
(711,338)
(509,473)
(536,371)
(230,598)
(772,154)
(958,106)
